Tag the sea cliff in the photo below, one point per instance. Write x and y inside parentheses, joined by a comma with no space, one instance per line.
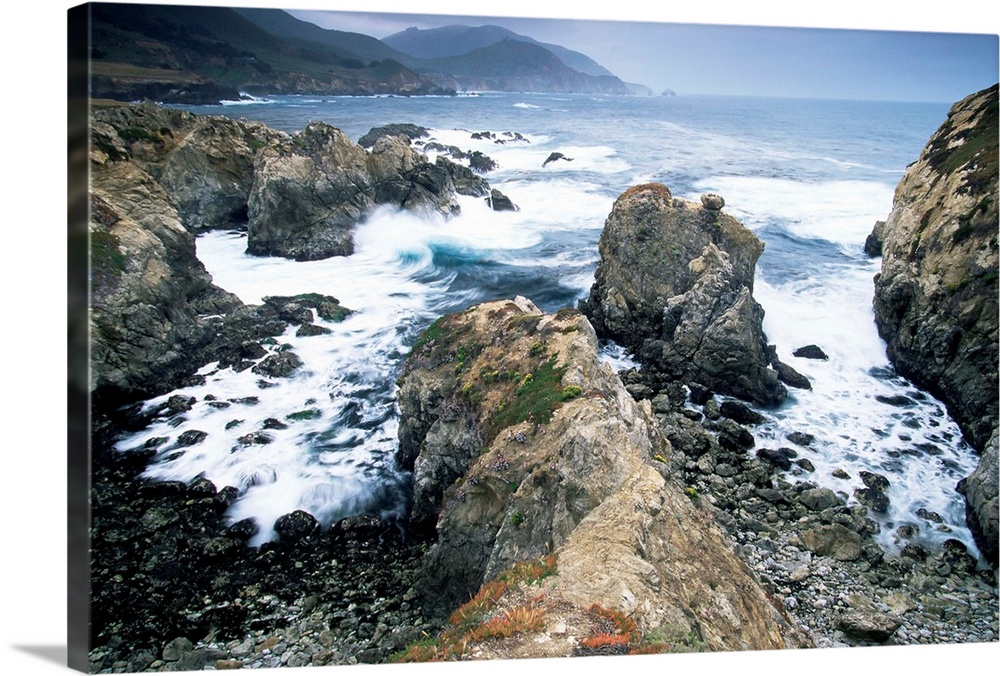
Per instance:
(936,298)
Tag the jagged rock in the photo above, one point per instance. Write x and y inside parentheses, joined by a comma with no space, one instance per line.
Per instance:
(500,202)
(555,156)
(873,243)
(936,299)
(523,443)
(148,289)
(674,285)
(790,376)
(981,494)
(410,131)
(810,352)
(296,526)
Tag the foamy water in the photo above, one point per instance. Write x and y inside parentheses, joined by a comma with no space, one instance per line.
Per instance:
(810,181)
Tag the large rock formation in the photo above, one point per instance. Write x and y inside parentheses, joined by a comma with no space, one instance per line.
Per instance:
(674,285)
(311,190)
(523,444)
(148,290)
(936,301)
(158,176)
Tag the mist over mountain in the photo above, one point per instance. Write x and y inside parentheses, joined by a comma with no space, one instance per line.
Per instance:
(195,54)
(455,40)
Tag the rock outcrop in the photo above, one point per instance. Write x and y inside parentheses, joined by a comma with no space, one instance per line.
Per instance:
(936,302)
(159,176)
(310,191)
(936,295)
(149,292)
(522,444)
(675,287)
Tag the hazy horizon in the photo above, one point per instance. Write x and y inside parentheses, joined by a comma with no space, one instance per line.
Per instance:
(707,59)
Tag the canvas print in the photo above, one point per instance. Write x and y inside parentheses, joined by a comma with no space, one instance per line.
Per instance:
(417,338)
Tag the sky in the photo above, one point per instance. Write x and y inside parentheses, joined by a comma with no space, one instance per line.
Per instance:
(691,57)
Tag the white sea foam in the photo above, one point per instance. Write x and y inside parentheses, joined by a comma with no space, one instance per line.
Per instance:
(842,212)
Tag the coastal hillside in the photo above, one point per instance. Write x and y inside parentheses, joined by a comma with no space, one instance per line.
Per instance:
(456,40)
(936,301)
(203,55)
(193,54)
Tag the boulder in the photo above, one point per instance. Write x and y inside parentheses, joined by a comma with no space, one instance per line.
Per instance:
(982,511)
(522,444)
(936,297)
(674,285)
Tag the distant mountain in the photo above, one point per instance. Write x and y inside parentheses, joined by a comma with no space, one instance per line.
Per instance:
(357,45)
(197,54)
(513,65)
(455,40)
(194,54)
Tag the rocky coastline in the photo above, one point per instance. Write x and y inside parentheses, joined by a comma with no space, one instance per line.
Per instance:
(524,448)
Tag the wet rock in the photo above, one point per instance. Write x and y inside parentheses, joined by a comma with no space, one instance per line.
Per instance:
(810,352)
(779,457)
(936,295)
(497,201)
(740,412)
(674,286)
(790,376)
(554,157)
(279,365)
(800,438)
(296,525)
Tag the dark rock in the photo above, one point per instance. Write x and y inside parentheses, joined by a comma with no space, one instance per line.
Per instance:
(740,412)
(780,458)
(279,365)
(806,464)
(733,436)
(895,400)
(307,330)
(674,287)
(190,438)
(481,163)
(790,376)
(500,202)
(874,481)
(873,243)
(873,498)
(244,529)
(936,298)
(202,487)
(410,131)
(699,394)
(982,497)
(296,526)
(553,157)
(176,649)
(810,352)
(800,438)
(179,403)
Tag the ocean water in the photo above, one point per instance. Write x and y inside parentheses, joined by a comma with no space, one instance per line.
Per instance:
(809,177)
